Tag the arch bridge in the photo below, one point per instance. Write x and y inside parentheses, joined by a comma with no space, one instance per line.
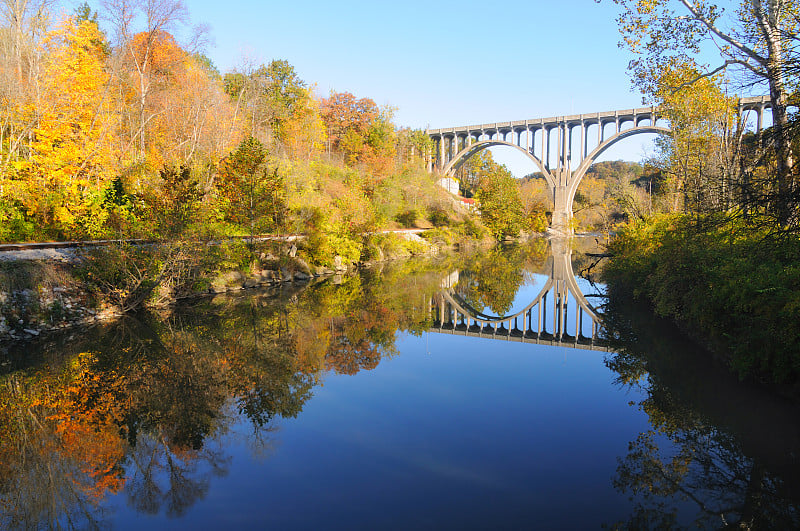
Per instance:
(559,315)
(550,144)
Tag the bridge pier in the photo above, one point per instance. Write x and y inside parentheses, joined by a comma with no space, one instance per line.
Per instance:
(562,210)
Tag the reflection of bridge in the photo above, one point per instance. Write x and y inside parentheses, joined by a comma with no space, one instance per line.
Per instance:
(555,156)
(547,319)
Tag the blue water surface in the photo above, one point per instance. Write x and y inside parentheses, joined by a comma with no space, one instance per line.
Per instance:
(451,432)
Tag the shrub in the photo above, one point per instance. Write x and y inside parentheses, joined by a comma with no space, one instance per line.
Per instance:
(437,216)
(473,228)
(407,218)
(440,236)
(14,227)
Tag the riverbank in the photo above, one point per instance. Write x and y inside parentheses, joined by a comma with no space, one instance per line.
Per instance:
(731,286)
(103,283)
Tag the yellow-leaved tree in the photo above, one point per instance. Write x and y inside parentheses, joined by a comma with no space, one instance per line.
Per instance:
(72,155)
(303,132)
(698,157)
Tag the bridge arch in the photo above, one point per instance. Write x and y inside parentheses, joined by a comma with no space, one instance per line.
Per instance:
(473,149)
(456,315)
(586,163)
(563,272)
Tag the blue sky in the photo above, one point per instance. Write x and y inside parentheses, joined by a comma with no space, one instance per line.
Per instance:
(439,63)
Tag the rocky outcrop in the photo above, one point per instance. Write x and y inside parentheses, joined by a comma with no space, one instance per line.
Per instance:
(27,313)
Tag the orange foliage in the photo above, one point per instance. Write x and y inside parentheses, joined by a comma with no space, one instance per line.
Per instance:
(157,55)
(68,424)
(304,132)
(88,414)
(342,112)
(311,341)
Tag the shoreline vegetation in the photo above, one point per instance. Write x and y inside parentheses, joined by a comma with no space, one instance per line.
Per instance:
(719,252)
(728,283)
(106,282)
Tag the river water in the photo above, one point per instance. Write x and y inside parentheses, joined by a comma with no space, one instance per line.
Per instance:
(369,402)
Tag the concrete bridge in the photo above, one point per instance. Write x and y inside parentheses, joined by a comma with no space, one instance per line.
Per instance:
(561,147)
(559,315)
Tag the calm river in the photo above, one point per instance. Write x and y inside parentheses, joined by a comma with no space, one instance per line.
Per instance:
(394,399)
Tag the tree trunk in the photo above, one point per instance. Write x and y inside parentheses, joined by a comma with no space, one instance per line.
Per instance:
(769,19)
(783,156)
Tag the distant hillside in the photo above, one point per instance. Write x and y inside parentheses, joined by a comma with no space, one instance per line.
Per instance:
(612,169)
(607,170)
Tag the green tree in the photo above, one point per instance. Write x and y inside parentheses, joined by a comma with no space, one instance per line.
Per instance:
(178,200)
(255,195)
(268,96)
(498,194)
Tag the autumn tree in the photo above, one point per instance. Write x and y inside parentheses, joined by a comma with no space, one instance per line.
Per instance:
(536,202)
(195,121)
(144,59)
(72,157)
(469,174)
(380,146)
(418,144)
(269,97)
(756,42)
(699,157)
(303,131)
(348,121)
(23,25)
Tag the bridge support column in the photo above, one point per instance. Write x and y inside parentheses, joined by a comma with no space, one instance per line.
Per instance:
(562,212)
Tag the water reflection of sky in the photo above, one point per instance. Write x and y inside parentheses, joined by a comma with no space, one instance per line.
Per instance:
(451,434)
(528,291)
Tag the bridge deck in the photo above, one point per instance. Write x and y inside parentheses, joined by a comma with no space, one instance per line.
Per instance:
(626,114)
(540,339)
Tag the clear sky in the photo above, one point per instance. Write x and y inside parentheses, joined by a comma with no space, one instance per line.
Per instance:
(439,63)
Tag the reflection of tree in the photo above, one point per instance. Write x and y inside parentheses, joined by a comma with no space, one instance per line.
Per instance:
(708,469)
(161,476)
(350,327)
(148,411)
(702,451)
(179,394)
(359,340)
(60,446)
(349,355)
(493,281)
